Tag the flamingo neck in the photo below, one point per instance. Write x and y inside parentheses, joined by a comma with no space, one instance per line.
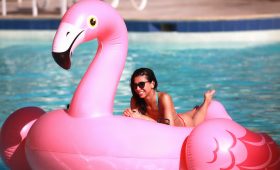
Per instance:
(95,94)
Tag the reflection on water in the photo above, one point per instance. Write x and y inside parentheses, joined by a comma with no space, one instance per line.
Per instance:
(246,79)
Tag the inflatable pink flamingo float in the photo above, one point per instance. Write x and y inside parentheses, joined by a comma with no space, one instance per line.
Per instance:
(89,136)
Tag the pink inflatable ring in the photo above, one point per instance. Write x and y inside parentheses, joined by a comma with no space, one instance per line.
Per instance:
(89,136)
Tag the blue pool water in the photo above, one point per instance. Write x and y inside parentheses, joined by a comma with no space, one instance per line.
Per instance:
(246,79)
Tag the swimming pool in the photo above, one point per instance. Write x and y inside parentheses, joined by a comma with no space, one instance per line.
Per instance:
(244,71)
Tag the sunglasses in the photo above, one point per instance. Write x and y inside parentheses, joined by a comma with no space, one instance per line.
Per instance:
(141,85)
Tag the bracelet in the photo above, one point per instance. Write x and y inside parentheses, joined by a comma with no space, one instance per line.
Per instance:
(164,121)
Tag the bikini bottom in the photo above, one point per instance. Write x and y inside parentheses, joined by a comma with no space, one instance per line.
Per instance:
(181,119)
(195,107)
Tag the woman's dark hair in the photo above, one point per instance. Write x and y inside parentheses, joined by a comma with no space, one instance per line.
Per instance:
(150,77)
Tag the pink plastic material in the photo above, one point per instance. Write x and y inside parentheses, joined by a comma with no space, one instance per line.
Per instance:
(89,136)
(224,144)
(13,134)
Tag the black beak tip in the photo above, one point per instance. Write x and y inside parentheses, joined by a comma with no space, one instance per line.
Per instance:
(62,59)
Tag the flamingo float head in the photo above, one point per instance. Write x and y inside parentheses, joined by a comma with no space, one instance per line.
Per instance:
(83,22)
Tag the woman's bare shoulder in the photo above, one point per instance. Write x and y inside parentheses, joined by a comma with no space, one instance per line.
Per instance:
(163,96)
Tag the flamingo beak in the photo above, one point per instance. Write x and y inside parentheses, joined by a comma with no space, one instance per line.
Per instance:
(67,38)
(62,59)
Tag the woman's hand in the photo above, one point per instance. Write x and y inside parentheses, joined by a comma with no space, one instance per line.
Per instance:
(134,113)
(127,112)
(131,113)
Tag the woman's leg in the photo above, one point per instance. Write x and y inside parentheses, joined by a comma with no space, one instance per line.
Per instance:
(185,119)
(199,116)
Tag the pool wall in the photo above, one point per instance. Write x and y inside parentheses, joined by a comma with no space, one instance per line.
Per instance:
(218,25)
(184,40)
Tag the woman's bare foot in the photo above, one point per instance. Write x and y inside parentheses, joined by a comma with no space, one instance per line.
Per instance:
(208,96)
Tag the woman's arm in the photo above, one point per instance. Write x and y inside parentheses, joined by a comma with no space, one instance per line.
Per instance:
(134,112)
(167,108)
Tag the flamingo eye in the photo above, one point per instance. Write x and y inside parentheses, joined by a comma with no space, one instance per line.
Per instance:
(92,22)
